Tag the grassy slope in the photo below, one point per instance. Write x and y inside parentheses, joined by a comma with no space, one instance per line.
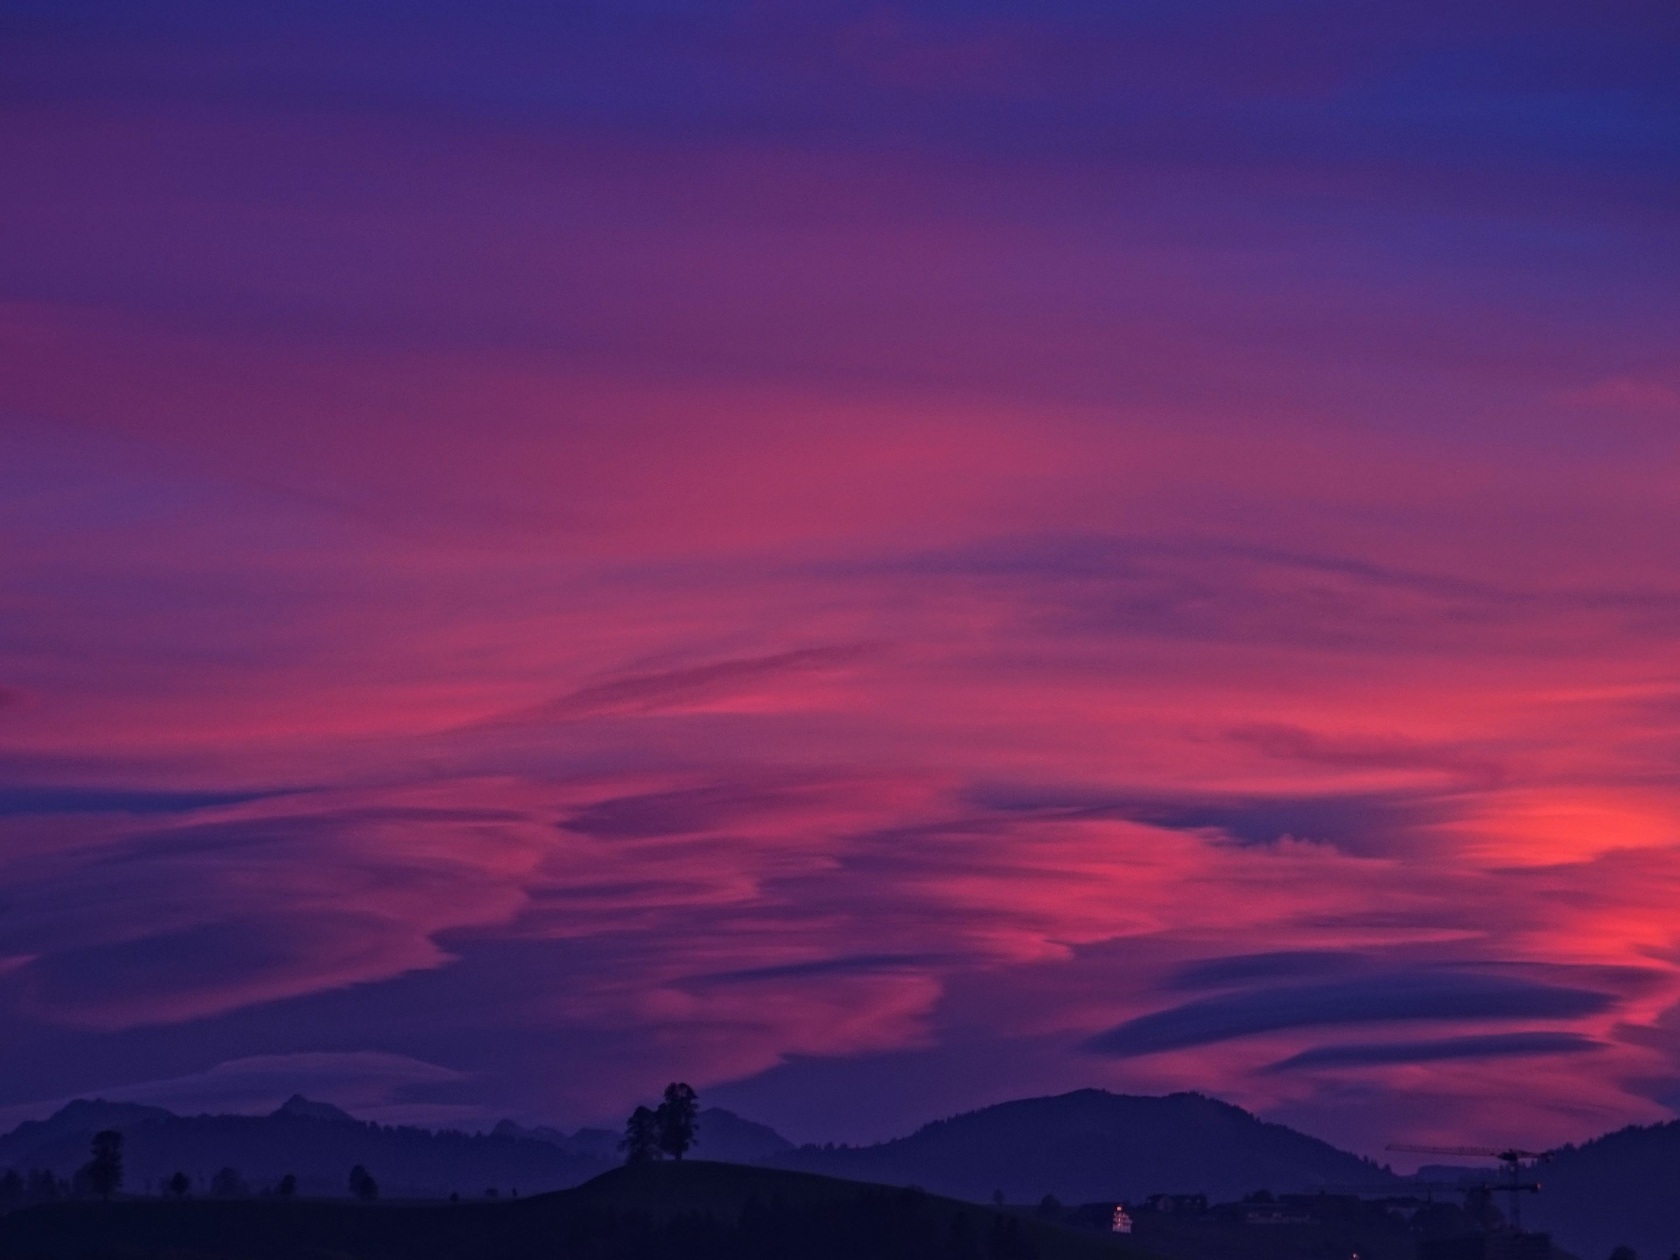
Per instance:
(724,1189)
(535,1227)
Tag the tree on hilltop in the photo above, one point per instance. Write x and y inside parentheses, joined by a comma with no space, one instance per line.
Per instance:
(678,1118)
(640,1143)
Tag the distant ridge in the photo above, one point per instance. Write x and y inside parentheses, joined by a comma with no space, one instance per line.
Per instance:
(1092,1145)
(35,1143)
(723,1135)
(305,1109)
(315,1141)
(318,1142)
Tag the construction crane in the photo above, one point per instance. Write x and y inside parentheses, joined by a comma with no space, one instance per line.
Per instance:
(1512,1157)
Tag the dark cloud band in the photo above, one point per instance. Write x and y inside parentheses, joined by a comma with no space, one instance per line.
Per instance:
(1392,997)
(1490,1046)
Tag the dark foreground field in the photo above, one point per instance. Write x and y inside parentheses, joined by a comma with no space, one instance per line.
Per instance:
(688,1211)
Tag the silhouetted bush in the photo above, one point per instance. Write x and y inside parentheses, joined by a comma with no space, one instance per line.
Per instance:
(362,1184)
(103,1173)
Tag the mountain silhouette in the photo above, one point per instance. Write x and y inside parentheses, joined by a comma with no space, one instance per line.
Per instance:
(42,1143)
(1092,1145)
(316,1142)
(306,1109)
(1619,1189)
(1089,1146)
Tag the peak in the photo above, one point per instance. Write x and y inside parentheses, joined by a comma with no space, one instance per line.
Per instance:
(305,1109)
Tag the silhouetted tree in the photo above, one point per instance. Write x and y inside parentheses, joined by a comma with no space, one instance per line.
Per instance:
(288,1186)
(362,1184)
(228,1184)
(678,1119)
(105,1170)
(179,1185)
(11,1187)
(640,1143)
(1624,1252)
(42,1186)
(1050,1206)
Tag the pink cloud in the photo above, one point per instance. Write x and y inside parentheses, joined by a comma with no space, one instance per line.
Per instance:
(733,607)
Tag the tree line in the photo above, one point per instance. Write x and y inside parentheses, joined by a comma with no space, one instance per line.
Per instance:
(99,1178)
(102,1176)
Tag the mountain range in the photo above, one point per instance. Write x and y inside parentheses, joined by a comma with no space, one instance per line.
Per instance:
(1082,1147)
(315,1142)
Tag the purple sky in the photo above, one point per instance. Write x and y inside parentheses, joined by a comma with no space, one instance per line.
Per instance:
(876,559)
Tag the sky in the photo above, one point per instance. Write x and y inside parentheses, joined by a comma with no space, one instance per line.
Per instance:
(874,558)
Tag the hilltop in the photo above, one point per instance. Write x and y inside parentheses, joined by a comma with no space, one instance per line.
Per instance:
(1091,1145)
